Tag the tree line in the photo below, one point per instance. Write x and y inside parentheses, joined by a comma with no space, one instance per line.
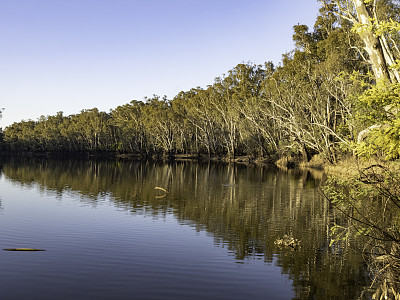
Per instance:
(305,105)
(298,106)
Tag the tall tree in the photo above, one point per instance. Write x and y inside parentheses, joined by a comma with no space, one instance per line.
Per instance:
(130,134)
(376,32)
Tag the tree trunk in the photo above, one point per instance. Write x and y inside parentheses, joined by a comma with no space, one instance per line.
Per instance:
(372,44)
(381,57)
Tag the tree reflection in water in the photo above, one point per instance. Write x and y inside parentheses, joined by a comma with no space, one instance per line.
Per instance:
(245,208)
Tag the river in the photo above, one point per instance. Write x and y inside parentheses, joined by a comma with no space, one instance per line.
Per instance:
(182,230)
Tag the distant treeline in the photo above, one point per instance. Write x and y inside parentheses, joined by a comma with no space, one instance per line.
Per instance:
(304,106)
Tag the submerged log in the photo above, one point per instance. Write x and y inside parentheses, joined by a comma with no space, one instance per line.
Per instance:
(23,249)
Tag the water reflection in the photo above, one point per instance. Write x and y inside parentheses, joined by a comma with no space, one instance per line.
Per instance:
(244,208)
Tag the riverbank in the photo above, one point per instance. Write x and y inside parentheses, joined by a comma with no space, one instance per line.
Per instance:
(348,166)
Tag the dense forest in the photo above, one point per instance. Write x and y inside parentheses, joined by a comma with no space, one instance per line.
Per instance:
(307,104)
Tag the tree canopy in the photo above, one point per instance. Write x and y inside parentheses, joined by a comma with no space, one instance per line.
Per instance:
(307,104)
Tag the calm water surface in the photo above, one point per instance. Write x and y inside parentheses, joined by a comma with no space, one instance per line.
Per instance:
(108,234)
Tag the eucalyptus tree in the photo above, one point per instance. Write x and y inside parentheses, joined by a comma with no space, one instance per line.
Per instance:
(288,107)
(70,137)
(305,96)
(20,136)
(226,113)
(186,136)
(128,121)
(376,22)
(160,125)
(47,131)
(298,109)
(219,111)
(245,83)
(201,115)
(89,128)
(370,201)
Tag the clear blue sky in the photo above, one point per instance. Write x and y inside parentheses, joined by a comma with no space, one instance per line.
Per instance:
(69,55)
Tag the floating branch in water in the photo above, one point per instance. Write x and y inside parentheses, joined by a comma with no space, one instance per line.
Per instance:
(23,249)
(161,189)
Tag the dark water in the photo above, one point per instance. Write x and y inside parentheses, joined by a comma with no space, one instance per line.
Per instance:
(108,234)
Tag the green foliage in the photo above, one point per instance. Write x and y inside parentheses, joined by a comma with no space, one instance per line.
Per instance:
(380,105)
(301,107)
(396,66)
(371,201)
(378,28)
(371,204)
(338,234)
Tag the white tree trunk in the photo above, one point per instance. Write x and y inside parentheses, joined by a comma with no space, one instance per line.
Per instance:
(372,44)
